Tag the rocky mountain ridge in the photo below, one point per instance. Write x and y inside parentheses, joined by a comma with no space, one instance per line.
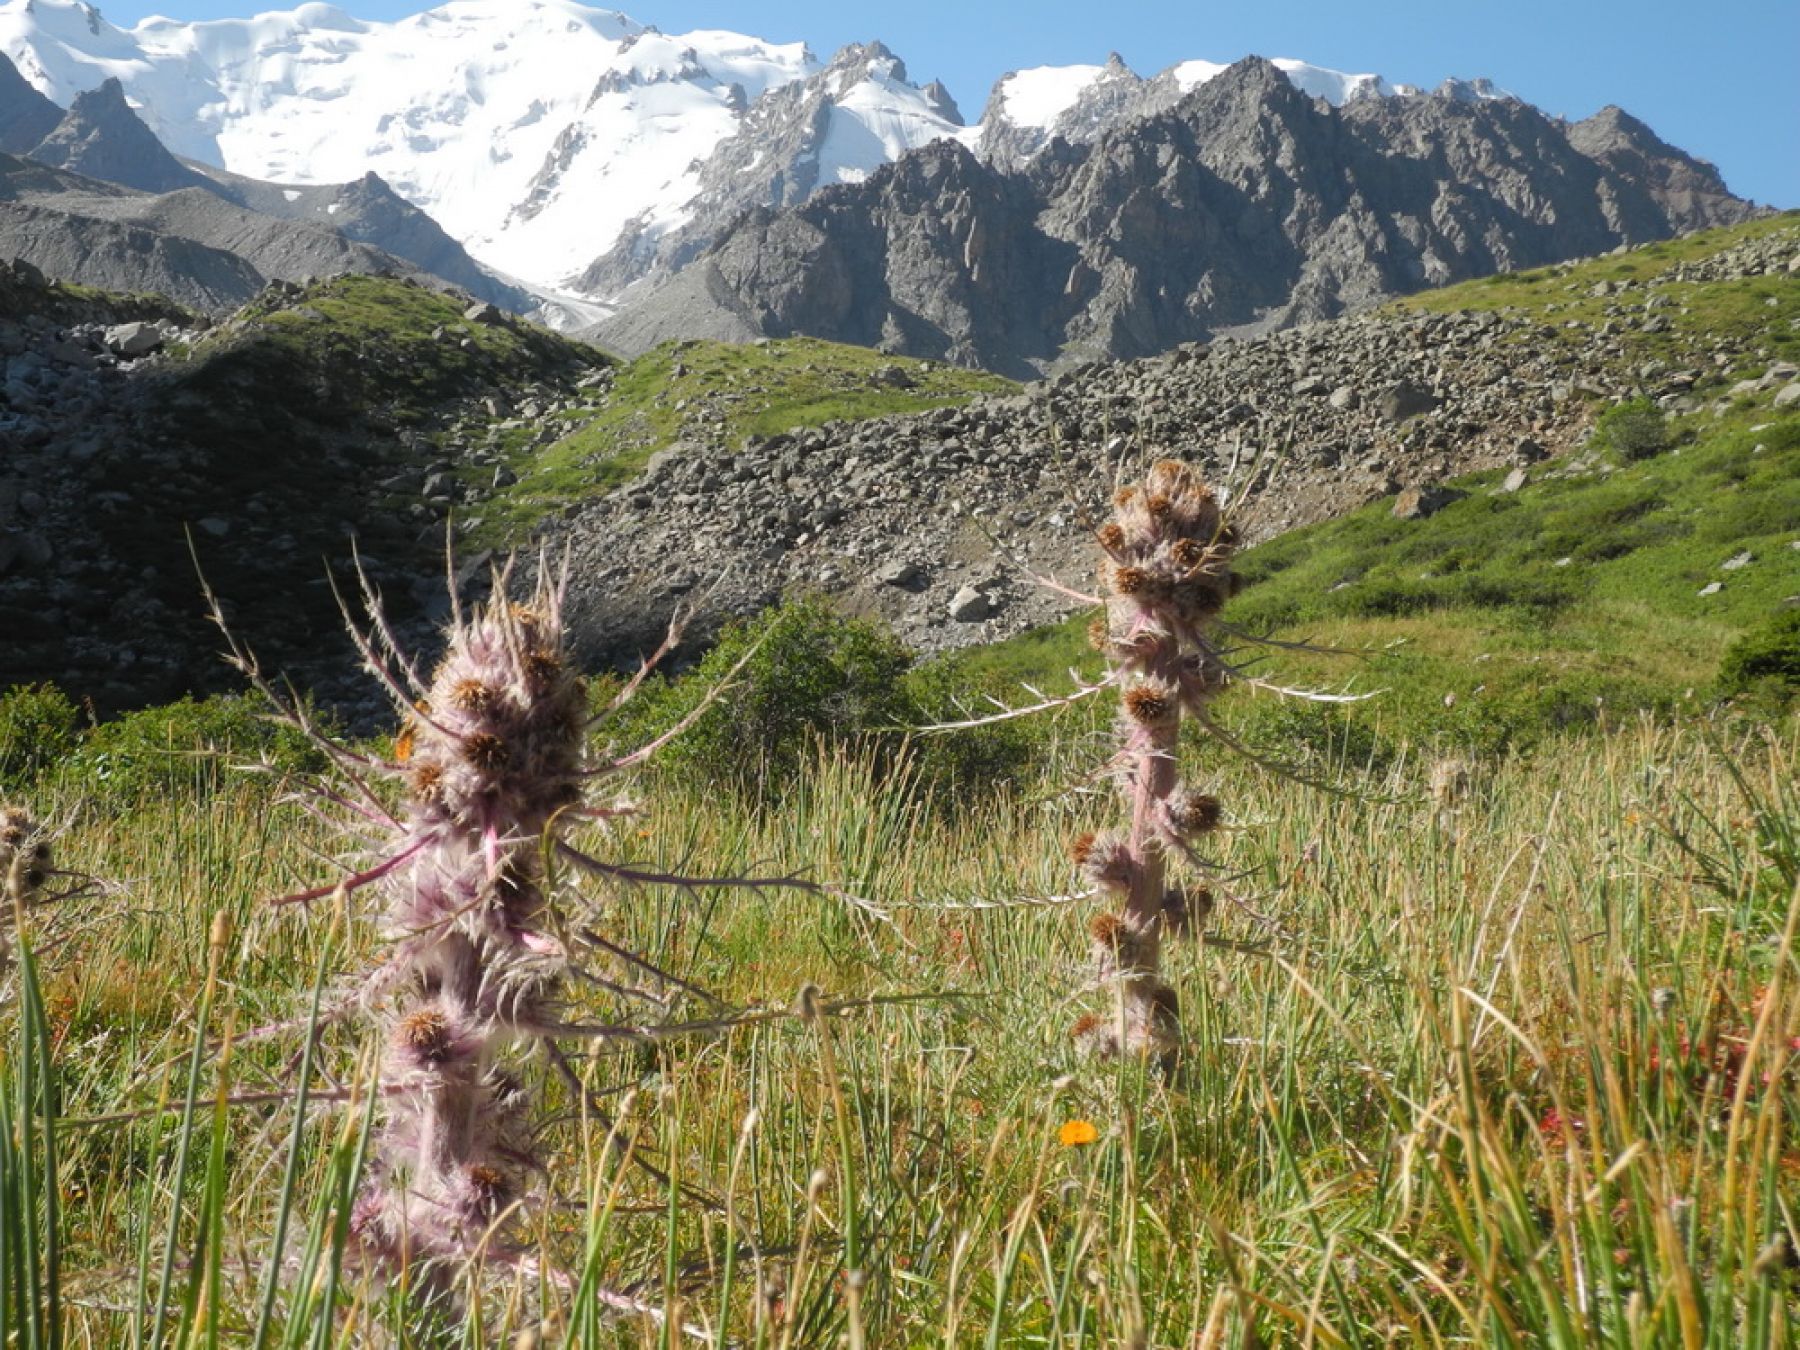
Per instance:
(589,155)
(122,213)
(1245,207)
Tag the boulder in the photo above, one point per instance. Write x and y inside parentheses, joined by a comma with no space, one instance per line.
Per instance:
(1418,503)
(1404,399)
(901,574)
(132,340)
(969,606)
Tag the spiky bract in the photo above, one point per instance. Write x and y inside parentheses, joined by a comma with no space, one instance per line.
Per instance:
(25,855)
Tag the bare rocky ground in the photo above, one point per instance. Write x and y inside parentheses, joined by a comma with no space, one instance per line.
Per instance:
(114,449)
(935,521)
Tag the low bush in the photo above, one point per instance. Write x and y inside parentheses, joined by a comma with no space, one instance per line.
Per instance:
(811,675)
(1633,430)
(807,673)
(186,747)
(39,727)
(1765,662)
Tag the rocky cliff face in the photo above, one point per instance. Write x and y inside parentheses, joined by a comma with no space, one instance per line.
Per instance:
(1246,207)
(26,116)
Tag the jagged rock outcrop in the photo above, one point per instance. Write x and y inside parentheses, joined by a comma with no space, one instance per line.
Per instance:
(101,137)
(793,140)
(1115,96)
(1246,207)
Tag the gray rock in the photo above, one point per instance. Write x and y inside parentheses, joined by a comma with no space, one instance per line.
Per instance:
(1515,480)
(217,527)
(1418,503)
(901,574)
(133,340)
(484,313)
(969,605)
(1405,399)
(1738,562)
(1788,395)
(1343,397)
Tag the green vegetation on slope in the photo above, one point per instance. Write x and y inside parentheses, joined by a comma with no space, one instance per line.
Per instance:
(372,342)
(1505,616)
(1568,296)
(725,392)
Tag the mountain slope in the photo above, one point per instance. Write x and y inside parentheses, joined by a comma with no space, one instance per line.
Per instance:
(838,125)
(567,146)
(1246,207)
(308,419)
(533,130)
(370,212)
(26,116)
(279,232)
(899,516)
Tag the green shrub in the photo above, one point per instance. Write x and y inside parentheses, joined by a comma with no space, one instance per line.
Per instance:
(818,677)
(39,726)
(187,747)
(962,765)
(809,673)
(1765,662)
(1634,430)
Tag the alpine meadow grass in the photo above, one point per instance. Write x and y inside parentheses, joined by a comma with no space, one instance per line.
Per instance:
(1513,1067)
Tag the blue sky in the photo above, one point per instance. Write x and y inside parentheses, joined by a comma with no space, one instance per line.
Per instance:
(1721,78)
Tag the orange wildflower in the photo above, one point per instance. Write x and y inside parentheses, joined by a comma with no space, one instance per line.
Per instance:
(1075,1133)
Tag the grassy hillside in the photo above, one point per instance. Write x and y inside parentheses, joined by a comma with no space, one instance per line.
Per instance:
(1506,616)
(1569,296)
(1501,1054)
(721,392)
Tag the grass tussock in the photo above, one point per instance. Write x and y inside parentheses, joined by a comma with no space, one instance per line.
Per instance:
(1511,1063)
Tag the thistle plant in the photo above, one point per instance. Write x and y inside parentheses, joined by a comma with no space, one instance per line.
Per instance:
(490,759)
(492,770)
(25,857)
(1167,574)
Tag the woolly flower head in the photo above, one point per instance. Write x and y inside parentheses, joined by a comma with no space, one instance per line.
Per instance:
(498,734)
(1168,549)
(25,857)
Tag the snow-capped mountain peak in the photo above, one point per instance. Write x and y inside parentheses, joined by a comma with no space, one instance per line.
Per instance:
(548,134)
